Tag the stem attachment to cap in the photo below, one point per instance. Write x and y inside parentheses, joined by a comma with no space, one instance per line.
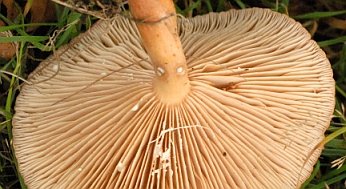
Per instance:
(157,24)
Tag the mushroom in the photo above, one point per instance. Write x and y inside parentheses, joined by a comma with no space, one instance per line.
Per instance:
(239,99)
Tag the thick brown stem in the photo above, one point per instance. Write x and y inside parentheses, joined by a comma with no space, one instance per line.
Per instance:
(157,24)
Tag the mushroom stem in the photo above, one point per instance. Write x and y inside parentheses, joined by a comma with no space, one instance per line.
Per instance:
(157,25)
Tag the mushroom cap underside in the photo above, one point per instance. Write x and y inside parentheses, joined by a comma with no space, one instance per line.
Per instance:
(261,97)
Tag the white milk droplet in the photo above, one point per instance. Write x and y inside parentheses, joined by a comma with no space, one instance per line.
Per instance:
(158,150)
(166,155)
(164,124)
(160,71)
(135,107)
(120,167)
(180,70)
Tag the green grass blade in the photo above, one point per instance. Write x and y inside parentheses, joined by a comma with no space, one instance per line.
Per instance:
(209,6)
(340,90)
(332,41)
(179,11)
(240,4)
(19,26)
(334,135)
(334,173)
(72,30)
(337,143)
(322,185)
(23,33)
(313,174)
(317,15)
(220,5)
(23,39)
(193,6)
(9,103)
(334,153)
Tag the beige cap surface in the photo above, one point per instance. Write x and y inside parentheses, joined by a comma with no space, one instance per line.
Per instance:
(261,97)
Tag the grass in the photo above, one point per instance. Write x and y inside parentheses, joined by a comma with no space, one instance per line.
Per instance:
(324,19)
